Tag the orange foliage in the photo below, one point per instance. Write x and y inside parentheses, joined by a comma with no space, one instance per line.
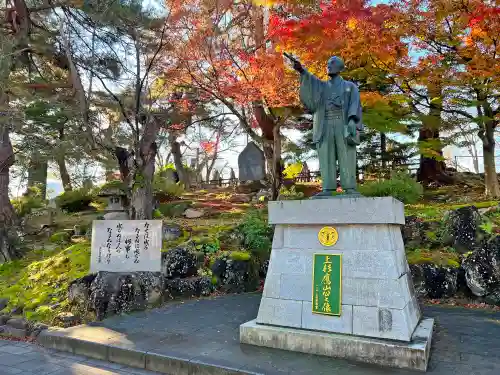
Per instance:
(223,60)
(352,29)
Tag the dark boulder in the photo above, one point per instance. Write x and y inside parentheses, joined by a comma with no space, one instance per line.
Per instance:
(178,262)
(434,281)
(239,276)
(190,287)
(263,269)
(417,232)
(113,293)
(461,229)
(3,303)
(79,290)
(4,319)
(18,323)
(219,267)
(249,187)
(482,270)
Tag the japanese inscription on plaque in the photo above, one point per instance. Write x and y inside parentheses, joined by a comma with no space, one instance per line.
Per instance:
(328,236)
(327,284)
(126,245)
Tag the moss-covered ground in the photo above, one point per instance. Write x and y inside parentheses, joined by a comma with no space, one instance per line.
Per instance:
(37,284)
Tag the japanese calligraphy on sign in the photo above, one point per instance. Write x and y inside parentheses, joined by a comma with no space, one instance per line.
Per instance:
(126,245)
(327,284)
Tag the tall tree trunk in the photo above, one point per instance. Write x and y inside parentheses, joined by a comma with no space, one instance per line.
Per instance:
(210,166)
(137,171)
(63,172)
(61,159)
(432,167)
(277,169)
(175,148)
(383,153)
(490,175)
(9,237)
(37,174)
(141,200)
(492,188)
(8,219)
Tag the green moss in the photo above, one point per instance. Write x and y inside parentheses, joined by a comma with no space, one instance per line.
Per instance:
(440,258)
(157,214)
(431,235)
(39,283)
(240,255)
(436,211)
(60,237)
(174,209)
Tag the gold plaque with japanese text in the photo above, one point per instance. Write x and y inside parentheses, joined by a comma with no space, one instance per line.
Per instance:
(327,284)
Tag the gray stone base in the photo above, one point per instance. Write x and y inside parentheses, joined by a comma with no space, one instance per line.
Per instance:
(412,355)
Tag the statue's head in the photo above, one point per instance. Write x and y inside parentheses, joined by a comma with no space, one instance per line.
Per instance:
(335,65)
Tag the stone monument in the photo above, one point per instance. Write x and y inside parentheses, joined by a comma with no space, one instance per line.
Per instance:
(126,245)
(338,283)
(251,163)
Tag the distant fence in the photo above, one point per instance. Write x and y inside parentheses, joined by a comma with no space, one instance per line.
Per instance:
(313,176)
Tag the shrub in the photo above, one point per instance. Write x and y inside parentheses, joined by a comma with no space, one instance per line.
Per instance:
(257,233)
(174,209)
(166,190)
(26,204)
(290,194)
(75,200)
(113,185)
(157,214)
(400,186)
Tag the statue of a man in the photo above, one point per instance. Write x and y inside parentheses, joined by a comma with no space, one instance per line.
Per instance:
(336,109)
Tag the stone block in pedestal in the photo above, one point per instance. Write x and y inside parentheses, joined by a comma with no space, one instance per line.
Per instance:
(375,296)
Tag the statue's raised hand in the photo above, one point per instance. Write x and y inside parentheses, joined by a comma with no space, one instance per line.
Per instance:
(296,63)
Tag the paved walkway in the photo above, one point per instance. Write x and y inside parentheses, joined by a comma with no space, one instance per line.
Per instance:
(206,332)
(29,359)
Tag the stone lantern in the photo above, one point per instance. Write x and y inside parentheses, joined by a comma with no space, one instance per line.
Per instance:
(115,209)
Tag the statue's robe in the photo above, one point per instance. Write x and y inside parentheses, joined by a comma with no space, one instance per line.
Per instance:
(333,103)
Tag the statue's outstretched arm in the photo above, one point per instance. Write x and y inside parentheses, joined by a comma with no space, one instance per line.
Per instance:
(311,87)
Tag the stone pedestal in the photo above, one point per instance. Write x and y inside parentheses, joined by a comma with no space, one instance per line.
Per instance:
(378,304)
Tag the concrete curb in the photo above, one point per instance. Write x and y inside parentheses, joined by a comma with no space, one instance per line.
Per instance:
(129,356)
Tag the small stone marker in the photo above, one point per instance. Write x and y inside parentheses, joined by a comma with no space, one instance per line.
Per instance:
(252,163)
(126,245)
(171,231)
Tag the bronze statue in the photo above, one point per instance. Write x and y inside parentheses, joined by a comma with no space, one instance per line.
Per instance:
(336,109)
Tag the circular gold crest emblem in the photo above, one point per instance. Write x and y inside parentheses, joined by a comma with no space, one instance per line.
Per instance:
(328,236)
